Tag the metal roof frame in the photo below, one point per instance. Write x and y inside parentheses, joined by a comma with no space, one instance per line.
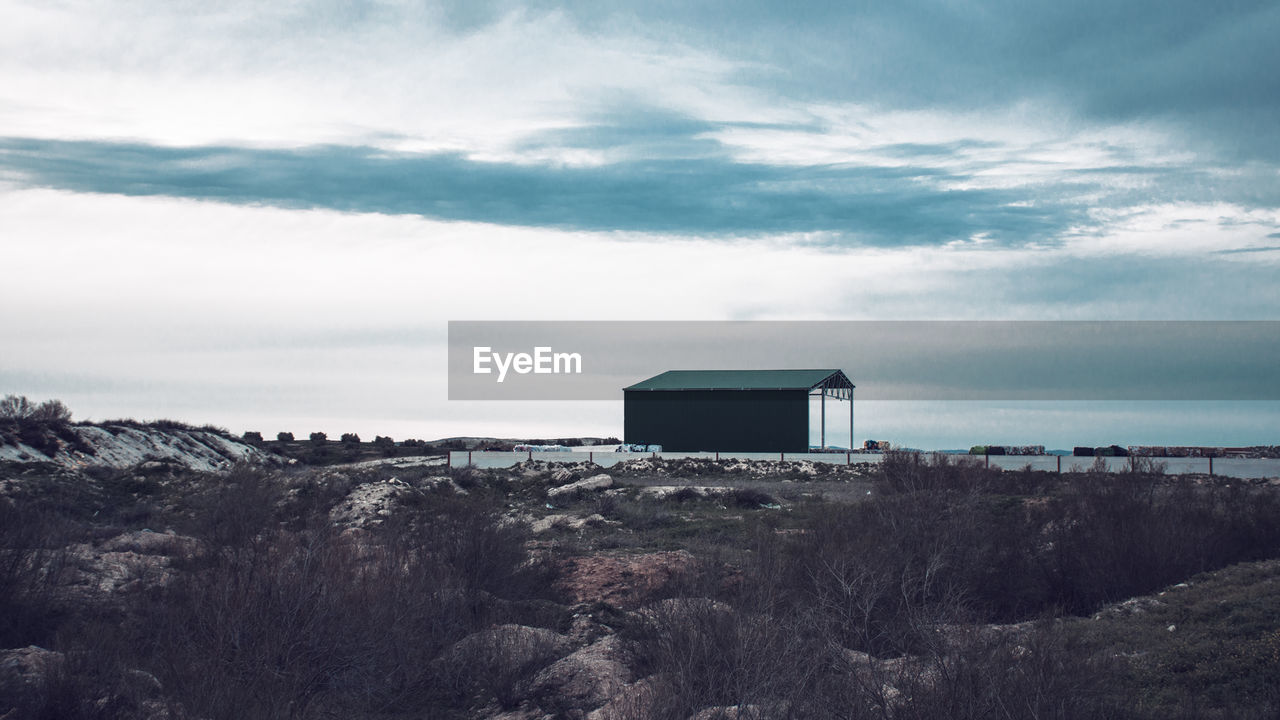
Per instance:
(827,380)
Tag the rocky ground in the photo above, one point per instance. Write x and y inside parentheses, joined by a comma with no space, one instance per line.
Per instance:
(655,589)
(122,445)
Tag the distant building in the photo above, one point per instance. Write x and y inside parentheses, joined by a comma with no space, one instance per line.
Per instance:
(731,410)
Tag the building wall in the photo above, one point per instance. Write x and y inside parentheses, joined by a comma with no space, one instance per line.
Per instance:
(718,420)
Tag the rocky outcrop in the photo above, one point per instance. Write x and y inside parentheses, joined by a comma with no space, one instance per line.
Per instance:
(735,712)
(632,702)
(25,675)
(35,682)
(370,503)
(124,446)
(127,563)
(522,644)
(584,680)
(568,522)
(595,482)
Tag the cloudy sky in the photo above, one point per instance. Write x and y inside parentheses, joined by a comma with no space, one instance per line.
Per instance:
(263,215)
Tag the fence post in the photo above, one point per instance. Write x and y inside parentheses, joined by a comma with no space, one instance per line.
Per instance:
(986,458)
(717,456)
(530,455)
(782,456)
(848,458)
(1210,466)
(1059,464)
(468,457)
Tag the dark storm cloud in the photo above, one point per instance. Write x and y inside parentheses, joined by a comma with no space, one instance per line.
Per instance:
(706,196)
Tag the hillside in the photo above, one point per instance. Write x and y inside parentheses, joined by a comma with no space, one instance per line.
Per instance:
(659,590)
(121,444)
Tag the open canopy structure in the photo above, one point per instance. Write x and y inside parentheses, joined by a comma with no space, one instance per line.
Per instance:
(731,410)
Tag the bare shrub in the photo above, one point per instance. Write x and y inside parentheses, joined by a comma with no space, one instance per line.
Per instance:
(487,553)
(32,560)
(1104,542)
(498,663)
(52,411)
(305,619)
(19,408)
(278,623)
(16,407)
(910,471)
(750,498)
(1083,543)
(234,510)
(705,654)
(685,494)
(1038,672)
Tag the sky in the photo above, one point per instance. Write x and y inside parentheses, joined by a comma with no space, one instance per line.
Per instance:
(263,215)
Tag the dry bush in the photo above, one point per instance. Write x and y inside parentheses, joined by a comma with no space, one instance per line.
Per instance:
(702,653)
(1033,674)
(909,472)
(864,612)
(1087,542)
(497,663)
(1107,541)
(304,620)
(32,560)
(271,623)
(234,510)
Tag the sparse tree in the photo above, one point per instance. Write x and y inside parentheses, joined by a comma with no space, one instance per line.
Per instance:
(351,438)
(253,436)
(16,407)
(284,436)
(318,438)
(52,411)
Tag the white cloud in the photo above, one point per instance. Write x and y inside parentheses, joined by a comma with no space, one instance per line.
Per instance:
(260,315)
(253,73)
(250,316)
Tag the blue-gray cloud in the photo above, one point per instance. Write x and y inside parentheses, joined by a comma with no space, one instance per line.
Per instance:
(710,195)
(1207,68)
(1235,251)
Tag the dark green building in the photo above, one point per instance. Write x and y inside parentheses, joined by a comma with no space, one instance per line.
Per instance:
(731,410)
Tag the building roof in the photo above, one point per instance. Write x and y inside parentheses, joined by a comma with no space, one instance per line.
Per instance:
(744,380)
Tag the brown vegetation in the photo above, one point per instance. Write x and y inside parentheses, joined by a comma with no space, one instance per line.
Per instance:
(951,590)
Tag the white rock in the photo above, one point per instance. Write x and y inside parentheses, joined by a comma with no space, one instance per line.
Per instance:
(596,482)
(572,522)
(588,678)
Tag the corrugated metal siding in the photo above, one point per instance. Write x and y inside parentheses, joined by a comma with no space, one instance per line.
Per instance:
(719,420)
